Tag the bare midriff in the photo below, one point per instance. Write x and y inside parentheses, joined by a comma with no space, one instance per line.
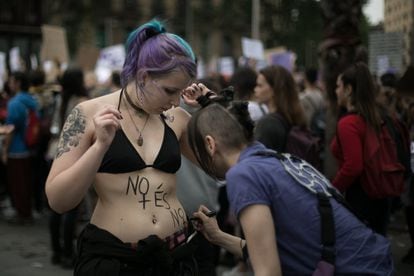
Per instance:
(134,205)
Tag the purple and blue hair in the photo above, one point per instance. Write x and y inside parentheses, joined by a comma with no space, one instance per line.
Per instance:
(152,50)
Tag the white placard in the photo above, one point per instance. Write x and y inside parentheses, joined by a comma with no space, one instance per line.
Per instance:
(226,66)
(252,48)
(14,59)
(383,63)
(2,69)
(201,70)
(33,62)
(110,59)
(48,66)
(286,59)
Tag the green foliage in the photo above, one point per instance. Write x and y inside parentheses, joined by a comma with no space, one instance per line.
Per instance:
(296,24)
(178,22)
(234,17)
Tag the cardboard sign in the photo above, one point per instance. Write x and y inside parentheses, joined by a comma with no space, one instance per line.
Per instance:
(54,44)
(87,57)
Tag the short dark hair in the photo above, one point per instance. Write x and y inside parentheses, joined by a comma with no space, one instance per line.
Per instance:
(311,75)
(388,79)
(244,82)
(232,126)
(37,77)
(23,80)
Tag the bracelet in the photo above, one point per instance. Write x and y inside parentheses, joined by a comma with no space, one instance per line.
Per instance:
(245,253)
(209,94)
(203,101)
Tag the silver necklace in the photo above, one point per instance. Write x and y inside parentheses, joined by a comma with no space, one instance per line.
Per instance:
(140,140)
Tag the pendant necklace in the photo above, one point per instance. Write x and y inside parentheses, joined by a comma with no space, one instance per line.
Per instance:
(140,140)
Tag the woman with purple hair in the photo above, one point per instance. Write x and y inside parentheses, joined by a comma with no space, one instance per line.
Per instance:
(128,145)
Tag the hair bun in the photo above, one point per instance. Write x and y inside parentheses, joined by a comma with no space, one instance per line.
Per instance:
(158,26)
(154,28)
(240,109)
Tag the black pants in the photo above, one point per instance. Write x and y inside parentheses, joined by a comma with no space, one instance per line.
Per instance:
(101,253)
(19,180)
(375,211)
(205,256)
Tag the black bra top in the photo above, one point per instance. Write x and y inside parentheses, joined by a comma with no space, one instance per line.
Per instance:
(122,157)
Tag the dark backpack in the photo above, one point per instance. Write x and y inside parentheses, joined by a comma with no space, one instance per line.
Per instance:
(399,132)
(318,124)
(383,175)
(32,132)
(302,143)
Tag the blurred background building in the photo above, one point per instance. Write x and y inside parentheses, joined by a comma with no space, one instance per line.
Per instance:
(399,18)
(213,27)
(391,43)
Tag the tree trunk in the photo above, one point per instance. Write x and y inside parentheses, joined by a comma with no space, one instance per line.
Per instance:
(341,46)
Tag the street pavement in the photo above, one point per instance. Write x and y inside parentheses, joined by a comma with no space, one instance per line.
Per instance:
(25,250)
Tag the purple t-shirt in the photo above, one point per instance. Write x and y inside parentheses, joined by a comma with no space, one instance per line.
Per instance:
(263,180)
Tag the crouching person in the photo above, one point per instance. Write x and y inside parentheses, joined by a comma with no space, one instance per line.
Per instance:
(294,221)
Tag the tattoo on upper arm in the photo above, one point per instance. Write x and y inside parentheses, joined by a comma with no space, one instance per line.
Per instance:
(72,131)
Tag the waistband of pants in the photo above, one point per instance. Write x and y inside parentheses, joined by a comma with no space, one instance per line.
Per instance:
(172,241)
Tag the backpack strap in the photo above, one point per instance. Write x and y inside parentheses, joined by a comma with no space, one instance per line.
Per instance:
(324,204)
(327,228)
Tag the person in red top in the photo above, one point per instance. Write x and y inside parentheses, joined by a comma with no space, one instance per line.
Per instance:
(356,93)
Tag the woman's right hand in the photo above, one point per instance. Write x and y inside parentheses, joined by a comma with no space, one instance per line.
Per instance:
(206,225)
(106,123)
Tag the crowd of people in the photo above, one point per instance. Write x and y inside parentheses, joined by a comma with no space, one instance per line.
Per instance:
(138,165)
